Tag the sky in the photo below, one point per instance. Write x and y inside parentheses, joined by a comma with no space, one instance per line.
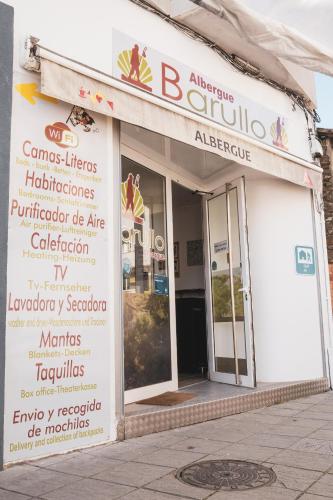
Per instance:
(324,88)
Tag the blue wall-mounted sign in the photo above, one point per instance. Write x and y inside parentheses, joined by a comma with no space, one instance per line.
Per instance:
(305,262)
(161,285)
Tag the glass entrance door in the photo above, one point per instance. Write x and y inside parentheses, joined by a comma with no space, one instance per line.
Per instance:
(231,340)
(145,271)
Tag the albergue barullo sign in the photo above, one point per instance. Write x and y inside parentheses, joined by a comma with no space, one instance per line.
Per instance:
(152,72)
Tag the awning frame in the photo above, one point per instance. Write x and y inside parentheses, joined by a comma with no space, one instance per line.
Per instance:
(49,59)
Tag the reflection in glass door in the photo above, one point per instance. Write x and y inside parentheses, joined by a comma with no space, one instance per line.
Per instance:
(146,318)
(231,336)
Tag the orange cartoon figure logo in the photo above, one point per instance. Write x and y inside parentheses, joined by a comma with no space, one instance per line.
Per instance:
(132,202)
(279,134)
(135,68)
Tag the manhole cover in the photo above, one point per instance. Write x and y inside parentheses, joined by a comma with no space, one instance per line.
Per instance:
(226,475)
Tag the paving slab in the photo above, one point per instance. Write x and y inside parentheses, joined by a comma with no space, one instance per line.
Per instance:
(323,407)
(322,434)
(124,453)
(38,482)
(277,411)
(134,474)
(158,439)
(313,424)
(317,398)
(144,494)
(263,418)
(16,471)
(324,486)
(199,445)
(53,459)
(322,446)
(228,457)
(309,496)
(9,495)
(84,465)
(317,415)
(249,427)
(295,404)
(287,430)
(299,459)
(271,440)
(263,493)
(223,434)
(328,426)
(135,454)
(240,451)
(293,478)
(170,484)
(171,458)
(89,489)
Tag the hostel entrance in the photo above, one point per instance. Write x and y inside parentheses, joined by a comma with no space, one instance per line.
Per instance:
(186,288)
(214,293)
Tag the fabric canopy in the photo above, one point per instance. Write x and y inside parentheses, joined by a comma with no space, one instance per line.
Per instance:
(81,90)
(298,30)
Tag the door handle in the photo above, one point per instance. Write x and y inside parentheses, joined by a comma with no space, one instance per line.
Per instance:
(246,292)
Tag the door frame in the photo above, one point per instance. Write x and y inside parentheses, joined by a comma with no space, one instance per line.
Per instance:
(250,379)
(145,159)
(149,391)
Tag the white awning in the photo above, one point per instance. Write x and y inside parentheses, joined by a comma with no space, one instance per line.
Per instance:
(81,90)
(299,31)
(296,30)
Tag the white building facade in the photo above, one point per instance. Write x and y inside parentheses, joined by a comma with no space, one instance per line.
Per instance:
(146,173)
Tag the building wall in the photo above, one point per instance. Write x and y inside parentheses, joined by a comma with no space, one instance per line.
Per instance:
(285,305)
(90,43)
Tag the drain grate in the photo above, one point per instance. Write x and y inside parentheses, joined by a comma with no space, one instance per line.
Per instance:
(226,475)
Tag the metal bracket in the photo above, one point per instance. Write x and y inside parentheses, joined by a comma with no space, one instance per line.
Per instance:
(31,56)
(202,192)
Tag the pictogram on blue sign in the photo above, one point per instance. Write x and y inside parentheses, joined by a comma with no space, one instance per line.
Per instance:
(305,262)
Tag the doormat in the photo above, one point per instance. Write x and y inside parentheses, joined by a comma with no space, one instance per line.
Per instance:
(168,399)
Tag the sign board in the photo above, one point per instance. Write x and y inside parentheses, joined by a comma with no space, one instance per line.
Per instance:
(305,263)
(161,285)
(57,394)
(75,88)
(146,69)
(221,246)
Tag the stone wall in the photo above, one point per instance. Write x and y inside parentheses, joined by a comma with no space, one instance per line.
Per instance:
(326,137)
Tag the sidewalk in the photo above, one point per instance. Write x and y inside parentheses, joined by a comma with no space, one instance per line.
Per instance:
(294,438)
